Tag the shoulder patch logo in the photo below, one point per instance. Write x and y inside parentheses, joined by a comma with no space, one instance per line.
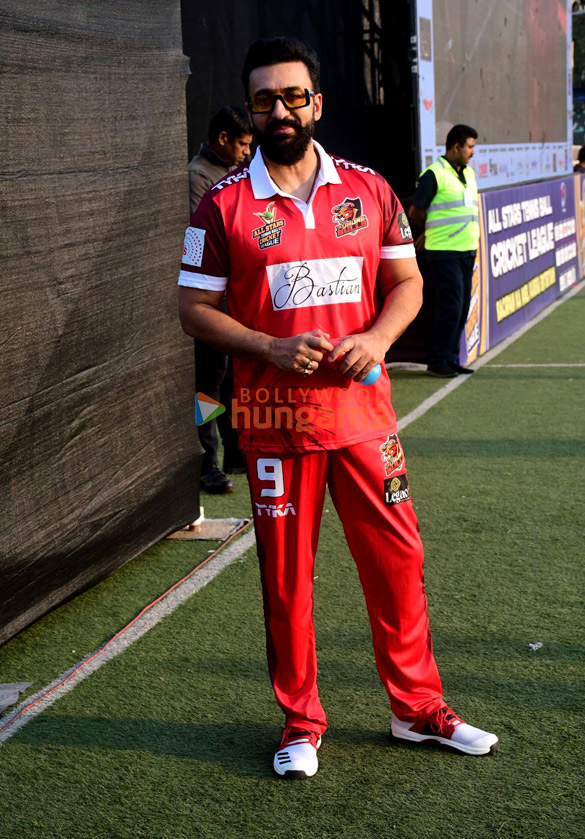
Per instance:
(271,230)
(404,225)
(392,454)
(348,217)
(193,246)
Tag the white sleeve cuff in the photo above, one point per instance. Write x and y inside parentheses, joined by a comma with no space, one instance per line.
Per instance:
(192,280)
(397,251)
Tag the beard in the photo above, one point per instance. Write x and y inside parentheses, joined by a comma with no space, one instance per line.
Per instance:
(285,151)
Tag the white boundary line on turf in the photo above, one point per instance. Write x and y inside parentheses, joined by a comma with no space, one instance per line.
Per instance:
(139,628)
(440,394)
(552,364)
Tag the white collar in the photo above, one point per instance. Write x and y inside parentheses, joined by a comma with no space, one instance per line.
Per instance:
(264,187)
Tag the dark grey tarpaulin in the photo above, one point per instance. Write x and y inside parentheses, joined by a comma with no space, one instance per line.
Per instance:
(97,438)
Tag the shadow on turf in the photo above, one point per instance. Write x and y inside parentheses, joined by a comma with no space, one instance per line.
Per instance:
(442,447)
(216,743)
(239,748)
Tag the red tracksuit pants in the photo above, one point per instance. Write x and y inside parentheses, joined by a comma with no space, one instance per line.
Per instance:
(372,499)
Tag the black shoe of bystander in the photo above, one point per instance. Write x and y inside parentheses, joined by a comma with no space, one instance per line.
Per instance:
(444,372)
(216,482)
(466,371)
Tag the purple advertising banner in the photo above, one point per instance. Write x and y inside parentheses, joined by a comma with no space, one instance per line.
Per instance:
(530,249)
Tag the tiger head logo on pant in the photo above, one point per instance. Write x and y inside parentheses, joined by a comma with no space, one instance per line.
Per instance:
(392,454)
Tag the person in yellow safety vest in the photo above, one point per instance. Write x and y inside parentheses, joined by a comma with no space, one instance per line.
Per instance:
(445,204)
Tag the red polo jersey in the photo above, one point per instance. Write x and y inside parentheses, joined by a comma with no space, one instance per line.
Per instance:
(290,267)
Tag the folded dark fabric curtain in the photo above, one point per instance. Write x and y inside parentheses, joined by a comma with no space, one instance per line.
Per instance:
(98,446)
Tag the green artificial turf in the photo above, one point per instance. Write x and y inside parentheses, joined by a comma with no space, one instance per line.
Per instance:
(175,737)
(559,340)
(60,639)
(410,388)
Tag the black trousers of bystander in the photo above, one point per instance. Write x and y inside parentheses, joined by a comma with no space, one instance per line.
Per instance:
(451,272)
(214,378)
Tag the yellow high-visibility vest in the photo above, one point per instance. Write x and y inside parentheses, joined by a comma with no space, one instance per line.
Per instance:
(452,222)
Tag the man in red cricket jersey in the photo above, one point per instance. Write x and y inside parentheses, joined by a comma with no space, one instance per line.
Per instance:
(304,244)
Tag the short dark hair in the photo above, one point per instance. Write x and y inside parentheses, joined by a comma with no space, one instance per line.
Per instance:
(581,155)
(234,121)
(281,50)
(459,134)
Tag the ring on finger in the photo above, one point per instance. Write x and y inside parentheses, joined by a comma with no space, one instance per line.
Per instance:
(309,365)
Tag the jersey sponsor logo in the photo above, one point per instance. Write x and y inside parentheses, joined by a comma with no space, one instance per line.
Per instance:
(315,282)
(348,217)
(275,510)
(396,490)
(404,225)
(271,231)
(193,246)
(392,454)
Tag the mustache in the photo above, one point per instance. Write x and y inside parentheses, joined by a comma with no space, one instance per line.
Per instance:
(287,122)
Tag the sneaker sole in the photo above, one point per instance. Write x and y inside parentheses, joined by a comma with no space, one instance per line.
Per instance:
(413,737)
(295,775)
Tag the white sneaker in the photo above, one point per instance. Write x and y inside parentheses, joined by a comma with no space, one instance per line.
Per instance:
(297,754)
(446,729)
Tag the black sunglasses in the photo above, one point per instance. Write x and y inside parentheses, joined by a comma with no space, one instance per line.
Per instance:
(292,98)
